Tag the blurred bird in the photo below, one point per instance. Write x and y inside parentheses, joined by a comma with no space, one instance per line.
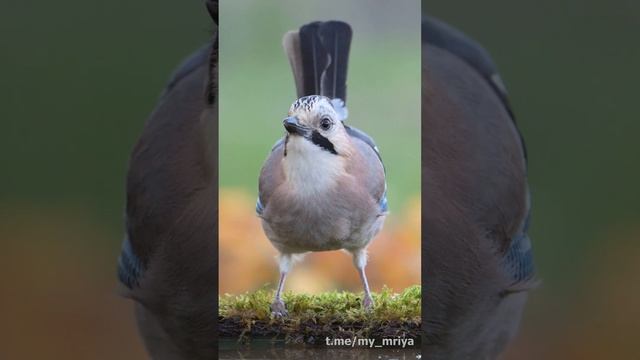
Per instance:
(323,185)
(168,263)
(477,254)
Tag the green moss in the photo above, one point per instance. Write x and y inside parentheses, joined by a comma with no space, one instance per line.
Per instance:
(313,317)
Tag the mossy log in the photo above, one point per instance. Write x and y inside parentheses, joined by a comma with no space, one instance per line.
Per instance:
(324,319)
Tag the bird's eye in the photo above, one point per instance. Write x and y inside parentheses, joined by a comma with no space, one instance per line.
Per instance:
(325,123)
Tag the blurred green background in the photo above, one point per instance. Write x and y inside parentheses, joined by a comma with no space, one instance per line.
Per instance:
(257,89)
(383,97)
(79,78)
(571,71)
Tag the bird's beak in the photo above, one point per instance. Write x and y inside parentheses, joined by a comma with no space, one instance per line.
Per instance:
(293,127)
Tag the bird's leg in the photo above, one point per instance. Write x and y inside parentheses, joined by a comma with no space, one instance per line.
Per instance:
(278,308)
(360,261)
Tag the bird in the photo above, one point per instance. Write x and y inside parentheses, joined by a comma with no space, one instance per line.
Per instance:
(323,185)
(476,206)
(168,263)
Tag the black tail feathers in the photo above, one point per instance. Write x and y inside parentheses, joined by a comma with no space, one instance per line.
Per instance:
(324,51)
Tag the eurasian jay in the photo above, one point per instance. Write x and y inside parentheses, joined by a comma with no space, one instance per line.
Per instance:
(476,251)
(168,263)
(323,185)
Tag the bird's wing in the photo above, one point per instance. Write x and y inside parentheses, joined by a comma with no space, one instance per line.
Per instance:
(167,263)
(440,34)
(361,135)
(444,36)
(129,266)
(475,210)
(518,259)
(188,66)
(374,167)
(271,176)
(138,245)
(516,246)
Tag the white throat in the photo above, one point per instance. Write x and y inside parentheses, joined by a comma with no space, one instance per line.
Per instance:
(310,170)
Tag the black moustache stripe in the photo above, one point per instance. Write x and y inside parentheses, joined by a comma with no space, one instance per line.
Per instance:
(323,142)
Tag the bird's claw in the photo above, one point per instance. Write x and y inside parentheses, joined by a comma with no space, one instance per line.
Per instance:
(367,303)
(278,309)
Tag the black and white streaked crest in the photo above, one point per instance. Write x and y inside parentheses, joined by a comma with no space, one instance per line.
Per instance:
(308,103)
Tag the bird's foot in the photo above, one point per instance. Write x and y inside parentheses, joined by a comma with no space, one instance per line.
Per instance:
(367,303)
(278,309)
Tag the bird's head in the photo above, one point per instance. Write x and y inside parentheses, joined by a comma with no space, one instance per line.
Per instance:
(315,123)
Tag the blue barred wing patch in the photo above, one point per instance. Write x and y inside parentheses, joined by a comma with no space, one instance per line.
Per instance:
(519,256)
(259,207)
(383,204)
(129,266)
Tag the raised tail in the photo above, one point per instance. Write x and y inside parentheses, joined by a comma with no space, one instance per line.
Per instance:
(319,55)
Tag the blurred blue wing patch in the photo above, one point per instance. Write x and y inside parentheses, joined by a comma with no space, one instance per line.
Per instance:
(519,259)
(129,266)
(259,207)
(519,256)
(384,206)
